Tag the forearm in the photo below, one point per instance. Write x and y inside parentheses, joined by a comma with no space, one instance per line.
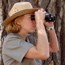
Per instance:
(53,41)
(42,40)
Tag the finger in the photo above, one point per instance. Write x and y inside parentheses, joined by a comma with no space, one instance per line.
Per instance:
(42,9)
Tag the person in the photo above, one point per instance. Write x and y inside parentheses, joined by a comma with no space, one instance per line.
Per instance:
(16,50)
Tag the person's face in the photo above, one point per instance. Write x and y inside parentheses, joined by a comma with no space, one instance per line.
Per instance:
(26,23)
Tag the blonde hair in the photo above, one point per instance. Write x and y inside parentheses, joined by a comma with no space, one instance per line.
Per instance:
(13,28)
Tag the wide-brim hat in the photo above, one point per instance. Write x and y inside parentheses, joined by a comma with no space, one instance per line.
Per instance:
(19,9)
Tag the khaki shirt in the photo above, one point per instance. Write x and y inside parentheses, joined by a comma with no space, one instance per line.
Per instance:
(14,51)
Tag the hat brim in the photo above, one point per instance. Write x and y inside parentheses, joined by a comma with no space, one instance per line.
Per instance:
(20,13)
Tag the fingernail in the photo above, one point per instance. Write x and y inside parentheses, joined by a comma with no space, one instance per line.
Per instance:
(42,9)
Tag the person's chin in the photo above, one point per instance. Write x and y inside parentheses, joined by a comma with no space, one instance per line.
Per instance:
(32,31)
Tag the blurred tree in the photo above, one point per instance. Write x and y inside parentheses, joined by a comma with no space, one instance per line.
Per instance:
(62,33)
(51,6)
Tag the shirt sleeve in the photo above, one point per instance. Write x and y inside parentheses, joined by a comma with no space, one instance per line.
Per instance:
(17,49)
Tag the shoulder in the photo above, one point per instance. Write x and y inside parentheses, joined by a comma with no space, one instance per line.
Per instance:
(12,37)
(12,41)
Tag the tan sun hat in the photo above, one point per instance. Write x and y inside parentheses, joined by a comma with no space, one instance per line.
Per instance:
(19,9)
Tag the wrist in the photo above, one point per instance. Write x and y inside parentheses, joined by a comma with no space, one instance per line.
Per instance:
(39,24)
(51,28)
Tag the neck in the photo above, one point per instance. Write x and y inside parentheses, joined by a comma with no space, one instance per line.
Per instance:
(23,34)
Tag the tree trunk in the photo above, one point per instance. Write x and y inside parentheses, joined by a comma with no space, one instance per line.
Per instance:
(51,7)
(62,34)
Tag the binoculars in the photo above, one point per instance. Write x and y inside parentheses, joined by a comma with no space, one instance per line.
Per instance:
(48,17)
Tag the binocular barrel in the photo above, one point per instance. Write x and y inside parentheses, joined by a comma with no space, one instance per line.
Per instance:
(48,17)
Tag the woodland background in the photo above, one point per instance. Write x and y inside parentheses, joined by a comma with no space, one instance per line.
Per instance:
(55,7)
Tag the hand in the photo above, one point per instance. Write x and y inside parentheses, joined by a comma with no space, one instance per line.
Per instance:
(40,16)
(48,24)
